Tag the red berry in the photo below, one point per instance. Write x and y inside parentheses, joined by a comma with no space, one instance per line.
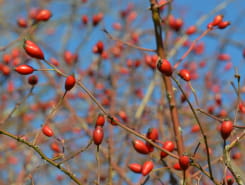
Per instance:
(97,18)
(22,22)
(113,121)
(229,179)
(165,67)
(152,134)
(210,26)
(33,50)
(175,24)
(224,57)
(217,19)
(43,15)
(195,128)
(55,147)
(98,135)
(100,120)
(178,24)
(100,46)
(185,74)
(151,61)
(32,80)
(149,146)
(123,115)
(47,131)
(225,129)
(169,146)
(176,166)
(147,168)
(191,30)
(184,162)
(69,57)
(54,61)
(137,168)
(6,58)
(5,70)
(223,24)
(236,155)
(84,19)
(24,69)
(70,82)
(140,147)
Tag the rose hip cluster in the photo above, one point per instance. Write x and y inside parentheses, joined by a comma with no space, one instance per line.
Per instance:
(218,22)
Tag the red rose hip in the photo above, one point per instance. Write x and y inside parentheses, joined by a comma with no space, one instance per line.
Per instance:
(47,131)
(147,168)
(136,168)
(169,146)
(70,82)
(152,134)
(43,15)
(185,74)
(140,147)
(100,121)
(24,69)
(165,67)
(226,129)
(98,135)
(33,80)
(33,50)
(184,162)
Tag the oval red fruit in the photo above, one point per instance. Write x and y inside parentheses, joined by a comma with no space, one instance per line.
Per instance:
(169,146)
(47,131)
(96,19)
(84,19)
(33,50)
(191,30)
(24,69)
(114,121)
(236,155)
(123,115)
(98,135)
(100,121)
(70,82)
(185,74)
(70,57)
(217,19)
(55,147)
(184,162)
(229,179)
(147,168)
(195,128)
(136,168)
(100,46)
(140,147)
(22,22)
(176,166)
(223,24)
(33,80)
(226,129)
(43,15)
(165,67)
(152,134)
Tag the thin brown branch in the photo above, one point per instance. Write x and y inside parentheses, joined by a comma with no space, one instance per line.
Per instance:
(167,80)
(126,43)
(42,155)
(200,125)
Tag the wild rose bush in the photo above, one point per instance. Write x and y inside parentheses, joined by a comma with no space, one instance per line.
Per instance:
(122,92)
